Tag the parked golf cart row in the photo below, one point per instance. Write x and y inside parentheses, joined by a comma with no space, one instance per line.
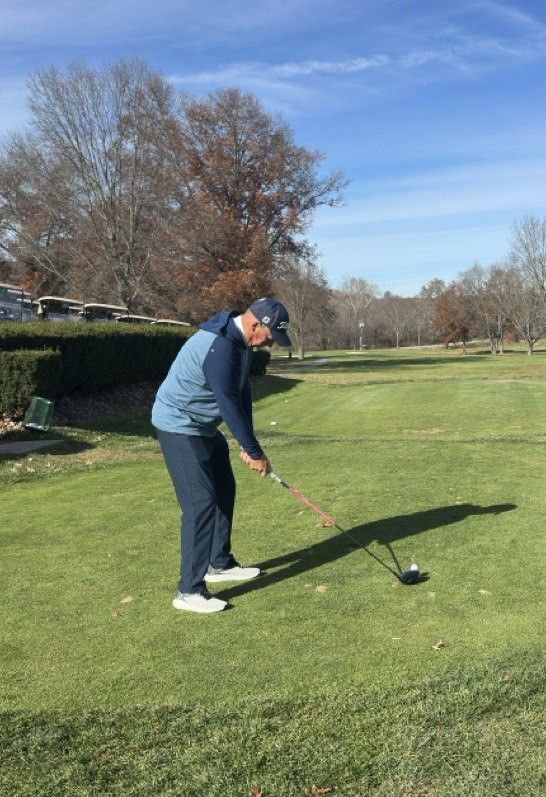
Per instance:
(16,304)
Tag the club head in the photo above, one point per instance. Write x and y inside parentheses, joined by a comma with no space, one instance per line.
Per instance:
(413,576)
(409,576)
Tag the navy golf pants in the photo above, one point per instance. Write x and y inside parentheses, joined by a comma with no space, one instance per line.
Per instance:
(205,487)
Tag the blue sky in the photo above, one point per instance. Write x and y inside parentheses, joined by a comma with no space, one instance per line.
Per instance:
(435,111)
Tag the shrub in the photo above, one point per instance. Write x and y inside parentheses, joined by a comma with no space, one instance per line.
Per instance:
(27,373)
(99,356)
(91,357)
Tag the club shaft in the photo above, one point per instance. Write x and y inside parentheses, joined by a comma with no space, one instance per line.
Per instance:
(371,553)
(329,521)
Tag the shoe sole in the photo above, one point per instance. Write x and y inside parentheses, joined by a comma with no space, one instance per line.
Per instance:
(185,607)
(215,578)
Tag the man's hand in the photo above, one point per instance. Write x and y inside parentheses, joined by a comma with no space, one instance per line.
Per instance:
(262,465)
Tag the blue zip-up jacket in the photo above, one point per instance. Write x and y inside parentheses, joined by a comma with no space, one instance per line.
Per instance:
(209,382)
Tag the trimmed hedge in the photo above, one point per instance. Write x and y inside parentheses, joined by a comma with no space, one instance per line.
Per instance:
(59,359)
(99,356)
(27,373)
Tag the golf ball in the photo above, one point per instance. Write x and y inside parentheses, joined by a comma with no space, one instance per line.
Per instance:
(414,567)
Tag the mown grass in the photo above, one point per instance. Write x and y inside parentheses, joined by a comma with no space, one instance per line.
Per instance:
(327,670)
(476,731)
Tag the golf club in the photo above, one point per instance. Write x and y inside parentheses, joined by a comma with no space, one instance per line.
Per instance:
(411,576)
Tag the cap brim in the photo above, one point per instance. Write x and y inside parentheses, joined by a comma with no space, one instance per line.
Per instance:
(281,338)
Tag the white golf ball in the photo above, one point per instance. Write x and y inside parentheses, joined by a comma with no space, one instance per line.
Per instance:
(414,567)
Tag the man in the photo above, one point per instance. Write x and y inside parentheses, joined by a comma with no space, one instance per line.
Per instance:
(209,383)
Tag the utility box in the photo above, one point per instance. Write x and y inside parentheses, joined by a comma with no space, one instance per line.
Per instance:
(39,414)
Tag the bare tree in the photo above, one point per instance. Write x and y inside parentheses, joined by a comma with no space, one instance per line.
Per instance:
(528,252)
(352,303)
(424,308)
(119,191)
(475,284)
(304,290)
(397,312)
(499,290)
(525,308)
(85,191)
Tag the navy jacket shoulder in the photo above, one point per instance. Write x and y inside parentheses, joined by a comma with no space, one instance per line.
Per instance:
(209,382)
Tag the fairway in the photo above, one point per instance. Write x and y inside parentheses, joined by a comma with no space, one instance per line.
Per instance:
(424,456)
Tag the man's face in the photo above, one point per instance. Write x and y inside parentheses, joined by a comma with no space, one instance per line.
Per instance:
(260,336)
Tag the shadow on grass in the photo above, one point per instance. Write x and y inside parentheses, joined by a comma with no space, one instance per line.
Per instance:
(385,532)
(390,361)
(370,364)
(271,385)
(364,361)
(66,447)
(103,418)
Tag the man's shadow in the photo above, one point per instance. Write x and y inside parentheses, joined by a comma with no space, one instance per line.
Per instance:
(385,532)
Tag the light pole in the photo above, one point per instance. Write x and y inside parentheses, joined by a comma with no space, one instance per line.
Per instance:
(360,327)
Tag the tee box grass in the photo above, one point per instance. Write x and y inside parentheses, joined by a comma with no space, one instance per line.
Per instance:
(326,671)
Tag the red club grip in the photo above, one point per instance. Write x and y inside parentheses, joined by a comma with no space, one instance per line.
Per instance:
(328,521)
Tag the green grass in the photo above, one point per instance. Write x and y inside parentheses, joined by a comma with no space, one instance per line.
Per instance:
(325,670)
(473,732)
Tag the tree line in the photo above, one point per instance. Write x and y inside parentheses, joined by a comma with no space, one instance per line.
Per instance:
(505,301)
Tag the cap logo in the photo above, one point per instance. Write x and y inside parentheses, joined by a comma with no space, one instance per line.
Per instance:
(282,325)
(266,319)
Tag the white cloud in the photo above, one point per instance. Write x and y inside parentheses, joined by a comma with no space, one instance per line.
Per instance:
(458,52)
(294,69)
(512,14)
(516,186)
(252,70)
(76,22)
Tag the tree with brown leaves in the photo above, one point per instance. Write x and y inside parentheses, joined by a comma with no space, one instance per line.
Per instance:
(304,291)
(248,193)
(453,318)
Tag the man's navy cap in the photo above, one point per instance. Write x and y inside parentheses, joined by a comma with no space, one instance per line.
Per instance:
(275,316)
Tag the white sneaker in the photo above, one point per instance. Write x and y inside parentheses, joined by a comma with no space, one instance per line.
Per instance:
(236,573)
(197,602)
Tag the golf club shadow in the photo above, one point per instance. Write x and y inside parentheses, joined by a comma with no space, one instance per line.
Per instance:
(384,531)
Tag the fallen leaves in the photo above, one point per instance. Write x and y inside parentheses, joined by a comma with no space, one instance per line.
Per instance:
(256,792)
(484,592)
(506,676)
(316,790)
(127,599)
(9,425)
(439,645)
